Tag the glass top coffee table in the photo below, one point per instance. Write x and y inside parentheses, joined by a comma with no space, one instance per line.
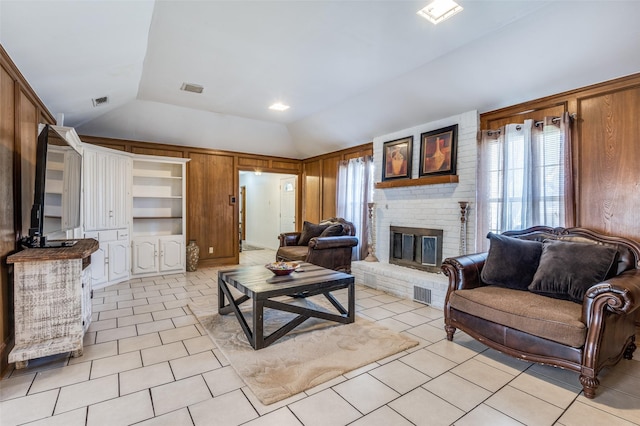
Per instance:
(261,287)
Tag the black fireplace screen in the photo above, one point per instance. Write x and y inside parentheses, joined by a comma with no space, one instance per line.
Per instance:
(419,248)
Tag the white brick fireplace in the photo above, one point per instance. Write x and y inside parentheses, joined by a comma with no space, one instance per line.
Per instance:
(425,206)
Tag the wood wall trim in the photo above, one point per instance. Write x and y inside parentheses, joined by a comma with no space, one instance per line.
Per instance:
(17,134)
(14,72)
(347,153)
(567,98)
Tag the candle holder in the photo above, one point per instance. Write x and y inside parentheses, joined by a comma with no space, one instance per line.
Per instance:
(464,208)
(371,257)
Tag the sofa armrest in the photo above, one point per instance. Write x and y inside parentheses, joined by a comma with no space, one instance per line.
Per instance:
(620,294)
(464,271)
(322,243)
(289,238)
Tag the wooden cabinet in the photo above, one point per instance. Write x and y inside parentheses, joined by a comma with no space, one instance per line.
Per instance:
(52,292)
(158,214)
(107,182)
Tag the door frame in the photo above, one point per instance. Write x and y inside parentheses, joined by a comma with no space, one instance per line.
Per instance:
(298,205)
(243,212)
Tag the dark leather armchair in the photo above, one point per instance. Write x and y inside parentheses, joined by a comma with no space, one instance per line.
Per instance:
(331,252)
(525,325)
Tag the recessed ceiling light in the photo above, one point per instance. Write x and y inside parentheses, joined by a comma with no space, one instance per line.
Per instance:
(439,10)
(278,106)
(189,87)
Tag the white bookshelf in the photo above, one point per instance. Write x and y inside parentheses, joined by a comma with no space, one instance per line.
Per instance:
(158,214)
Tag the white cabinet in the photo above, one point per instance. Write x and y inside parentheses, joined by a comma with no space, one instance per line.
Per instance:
(135,207)
(107,182)
(107,213)
(172,253)
(158,254)
(111,262)
(158,215)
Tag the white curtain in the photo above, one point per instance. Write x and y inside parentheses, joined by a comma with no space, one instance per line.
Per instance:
(355,191)
(525,177)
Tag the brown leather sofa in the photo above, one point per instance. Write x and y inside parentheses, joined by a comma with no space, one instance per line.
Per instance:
(583,337)
(332,252)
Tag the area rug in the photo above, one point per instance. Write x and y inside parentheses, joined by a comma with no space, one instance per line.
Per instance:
(311,354)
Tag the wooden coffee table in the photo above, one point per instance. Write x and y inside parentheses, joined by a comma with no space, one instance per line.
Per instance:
(261,286)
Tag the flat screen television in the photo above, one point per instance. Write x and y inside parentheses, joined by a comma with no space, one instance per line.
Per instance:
(56,197)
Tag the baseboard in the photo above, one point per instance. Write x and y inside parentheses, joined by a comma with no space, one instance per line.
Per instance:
(219,262)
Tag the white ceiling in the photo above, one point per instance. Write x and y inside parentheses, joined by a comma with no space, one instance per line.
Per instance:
(350,70)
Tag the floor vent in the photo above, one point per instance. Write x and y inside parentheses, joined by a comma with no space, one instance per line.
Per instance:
(422,295)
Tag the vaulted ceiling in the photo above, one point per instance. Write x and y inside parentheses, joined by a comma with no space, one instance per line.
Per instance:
(350,70)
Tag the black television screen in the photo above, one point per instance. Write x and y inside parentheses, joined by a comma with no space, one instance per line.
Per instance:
(56,198)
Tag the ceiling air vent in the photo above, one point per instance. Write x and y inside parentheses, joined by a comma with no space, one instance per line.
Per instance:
(195,88)
(100,101)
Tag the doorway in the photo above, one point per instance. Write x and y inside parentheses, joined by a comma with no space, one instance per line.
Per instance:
(287,204)
(267,208)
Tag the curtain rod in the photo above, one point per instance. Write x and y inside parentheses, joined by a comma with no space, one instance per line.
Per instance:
(536,123)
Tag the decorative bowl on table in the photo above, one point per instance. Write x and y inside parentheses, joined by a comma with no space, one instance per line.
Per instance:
(282,268)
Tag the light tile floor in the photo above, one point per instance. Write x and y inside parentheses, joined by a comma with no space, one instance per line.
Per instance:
(148,362)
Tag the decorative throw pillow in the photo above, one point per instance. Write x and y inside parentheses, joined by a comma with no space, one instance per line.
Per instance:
(310,230)
(568,269)
(511,262)
(332,231)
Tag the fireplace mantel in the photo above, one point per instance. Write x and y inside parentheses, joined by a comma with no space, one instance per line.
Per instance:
(427,180)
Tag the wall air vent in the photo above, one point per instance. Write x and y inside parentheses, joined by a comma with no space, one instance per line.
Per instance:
(422,295)
(100,101)
(194,88)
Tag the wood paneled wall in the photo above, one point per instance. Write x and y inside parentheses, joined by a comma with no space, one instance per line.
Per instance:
(212,181)
(606,149)
(319,181)
(212,191)
(20,113)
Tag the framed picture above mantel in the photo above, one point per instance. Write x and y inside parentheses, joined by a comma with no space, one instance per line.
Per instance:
(438,151)
(396,159)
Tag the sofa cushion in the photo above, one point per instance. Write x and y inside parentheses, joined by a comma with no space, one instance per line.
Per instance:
(309,231)
(333,231)
(511,262)
(568,269)
(293,253)
(545,317)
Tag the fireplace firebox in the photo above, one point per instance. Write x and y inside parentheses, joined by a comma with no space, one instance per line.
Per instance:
(418,248)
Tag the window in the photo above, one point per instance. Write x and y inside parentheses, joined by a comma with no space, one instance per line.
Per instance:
(524,177)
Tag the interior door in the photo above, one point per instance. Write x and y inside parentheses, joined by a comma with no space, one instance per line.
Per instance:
(288,204)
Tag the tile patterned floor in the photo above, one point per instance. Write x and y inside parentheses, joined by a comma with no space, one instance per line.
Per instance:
(148,362)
